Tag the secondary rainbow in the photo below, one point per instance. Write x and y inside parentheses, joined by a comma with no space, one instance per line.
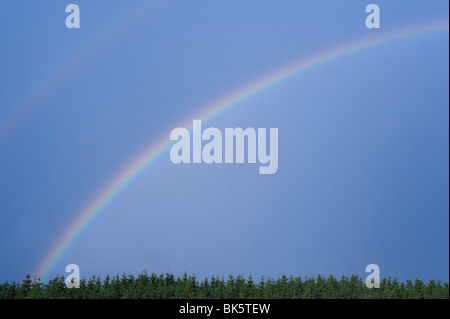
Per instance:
(67,66)
(138,166)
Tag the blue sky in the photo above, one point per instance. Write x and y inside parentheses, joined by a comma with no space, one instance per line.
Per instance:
(363,141)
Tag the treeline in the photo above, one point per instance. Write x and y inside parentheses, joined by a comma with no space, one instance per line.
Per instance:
(189,287)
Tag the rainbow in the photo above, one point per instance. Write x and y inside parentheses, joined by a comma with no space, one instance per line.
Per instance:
(67,66)
(151,154)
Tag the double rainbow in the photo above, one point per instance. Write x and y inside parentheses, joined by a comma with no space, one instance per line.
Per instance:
(98,204)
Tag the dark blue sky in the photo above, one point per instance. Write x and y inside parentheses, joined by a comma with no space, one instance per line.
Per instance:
(363,141)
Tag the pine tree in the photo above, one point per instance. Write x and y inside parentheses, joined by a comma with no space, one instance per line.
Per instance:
(298,284)
(261,287)
(240,287)
(166,286)
(445,291)
(204,289)
(396,291)
(55,288)
(25,288)
(268,289)
(331,288)
(419,289)
(8,290)
(116,288)
(282,288)
(36,289)
(231,288)
(220,290)
(106,291)
(309,288)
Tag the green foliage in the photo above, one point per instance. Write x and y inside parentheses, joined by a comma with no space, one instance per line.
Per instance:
(167,286)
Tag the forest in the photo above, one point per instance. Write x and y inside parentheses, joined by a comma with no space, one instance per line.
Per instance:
(167,286)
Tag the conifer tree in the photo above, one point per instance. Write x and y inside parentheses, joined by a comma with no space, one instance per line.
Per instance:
(25,288)
(167,286)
